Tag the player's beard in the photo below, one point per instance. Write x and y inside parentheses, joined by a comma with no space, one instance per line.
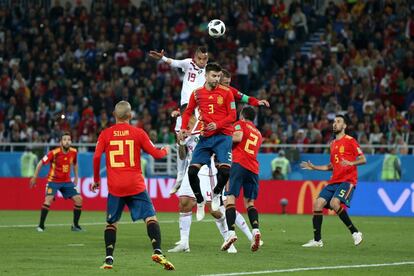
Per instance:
(336,131)
(65,148)
(213,84)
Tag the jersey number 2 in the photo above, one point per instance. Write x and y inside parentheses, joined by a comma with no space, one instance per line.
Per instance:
(120,151)
(251,141)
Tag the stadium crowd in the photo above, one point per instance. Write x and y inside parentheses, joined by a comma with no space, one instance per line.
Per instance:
(65,67)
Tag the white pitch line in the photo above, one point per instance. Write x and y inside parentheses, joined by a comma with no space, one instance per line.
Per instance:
(87,223)
(76,244)
(312,268)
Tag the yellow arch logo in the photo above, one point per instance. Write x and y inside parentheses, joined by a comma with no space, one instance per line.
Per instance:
(315,189)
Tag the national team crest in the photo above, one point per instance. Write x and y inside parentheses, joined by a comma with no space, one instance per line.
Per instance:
(342,149)
(220,100)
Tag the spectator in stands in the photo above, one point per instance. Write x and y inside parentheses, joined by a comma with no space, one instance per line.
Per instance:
(280,166)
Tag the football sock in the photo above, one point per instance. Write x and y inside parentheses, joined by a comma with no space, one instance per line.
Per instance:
(253,217)
(77,210)
(230,216)
(195,183)
(185,225)
(110,239)
(154,233)
(343,215)
(222,226)
(241,223)
(222,178)
(43,215)
(317,225)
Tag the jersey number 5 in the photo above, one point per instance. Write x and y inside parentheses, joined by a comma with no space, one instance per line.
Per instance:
(120,151)
(252,140)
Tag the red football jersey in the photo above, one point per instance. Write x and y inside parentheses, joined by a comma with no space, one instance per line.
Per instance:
(60,164)
(240,97)
(215,106)
(345,148)
(122,144)
(245,152)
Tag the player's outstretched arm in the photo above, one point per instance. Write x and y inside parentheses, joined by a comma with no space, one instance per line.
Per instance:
(182,63)
(149,147)
(99,149)
(36,173)
(309,166)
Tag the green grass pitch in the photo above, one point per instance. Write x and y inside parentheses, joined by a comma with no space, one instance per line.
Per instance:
(58,251)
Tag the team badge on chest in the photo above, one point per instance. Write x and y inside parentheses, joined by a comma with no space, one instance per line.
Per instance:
(342,149)
(220,100)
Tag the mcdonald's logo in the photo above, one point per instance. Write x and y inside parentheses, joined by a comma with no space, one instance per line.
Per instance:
(315,189)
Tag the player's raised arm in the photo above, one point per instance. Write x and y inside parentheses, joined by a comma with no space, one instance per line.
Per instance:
(172,62)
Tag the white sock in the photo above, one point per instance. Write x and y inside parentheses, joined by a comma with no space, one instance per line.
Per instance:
(185,225)
(222,226)
(241,223)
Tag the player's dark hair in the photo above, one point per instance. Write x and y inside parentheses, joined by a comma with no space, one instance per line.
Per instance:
(213,67)
(343,118)
(249,113)
(226,73)
(65,133)
(202,49)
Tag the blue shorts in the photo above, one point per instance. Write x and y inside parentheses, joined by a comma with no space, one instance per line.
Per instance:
(219,144)
(241,177)
(140,206)
(342,191)
(67,189)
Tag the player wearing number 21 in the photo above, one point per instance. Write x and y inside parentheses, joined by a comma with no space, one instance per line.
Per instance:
(122,144)
(346,155)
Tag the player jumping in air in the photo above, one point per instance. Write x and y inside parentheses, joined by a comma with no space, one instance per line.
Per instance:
(346,155)
(61,160)
(122,144)
(217,113)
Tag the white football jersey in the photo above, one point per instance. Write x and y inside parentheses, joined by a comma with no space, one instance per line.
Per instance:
(194,77)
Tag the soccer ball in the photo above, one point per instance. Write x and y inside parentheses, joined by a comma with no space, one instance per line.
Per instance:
(216,28)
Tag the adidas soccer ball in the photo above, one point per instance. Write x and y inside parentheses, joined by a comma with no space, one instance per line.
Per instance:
(216,28)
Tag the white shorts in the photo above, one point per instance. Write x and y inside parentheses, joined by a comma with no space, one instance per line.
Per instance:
(207,183)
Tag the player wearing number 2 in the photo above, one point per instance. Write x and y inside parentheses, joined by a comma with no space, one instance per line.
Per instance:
(244,173)
(122,144)
(345,156)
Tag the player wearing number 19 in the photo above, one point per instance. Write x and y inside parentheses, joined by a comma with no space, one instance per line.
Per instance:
(122,144)
(244,174)
(346,155)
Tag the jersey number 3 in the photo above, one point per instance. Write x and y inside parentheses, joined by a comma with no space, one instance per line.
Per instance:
(252,140)
(120,151)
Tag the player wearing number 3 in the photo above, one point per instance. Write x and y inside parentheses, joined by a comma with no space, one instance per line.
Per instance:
(345,156)
(122,144)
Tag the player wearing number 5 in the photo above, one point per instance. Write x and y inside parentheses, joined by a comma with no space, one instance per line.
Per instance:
(122,144)
(346,155)
(244,173)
